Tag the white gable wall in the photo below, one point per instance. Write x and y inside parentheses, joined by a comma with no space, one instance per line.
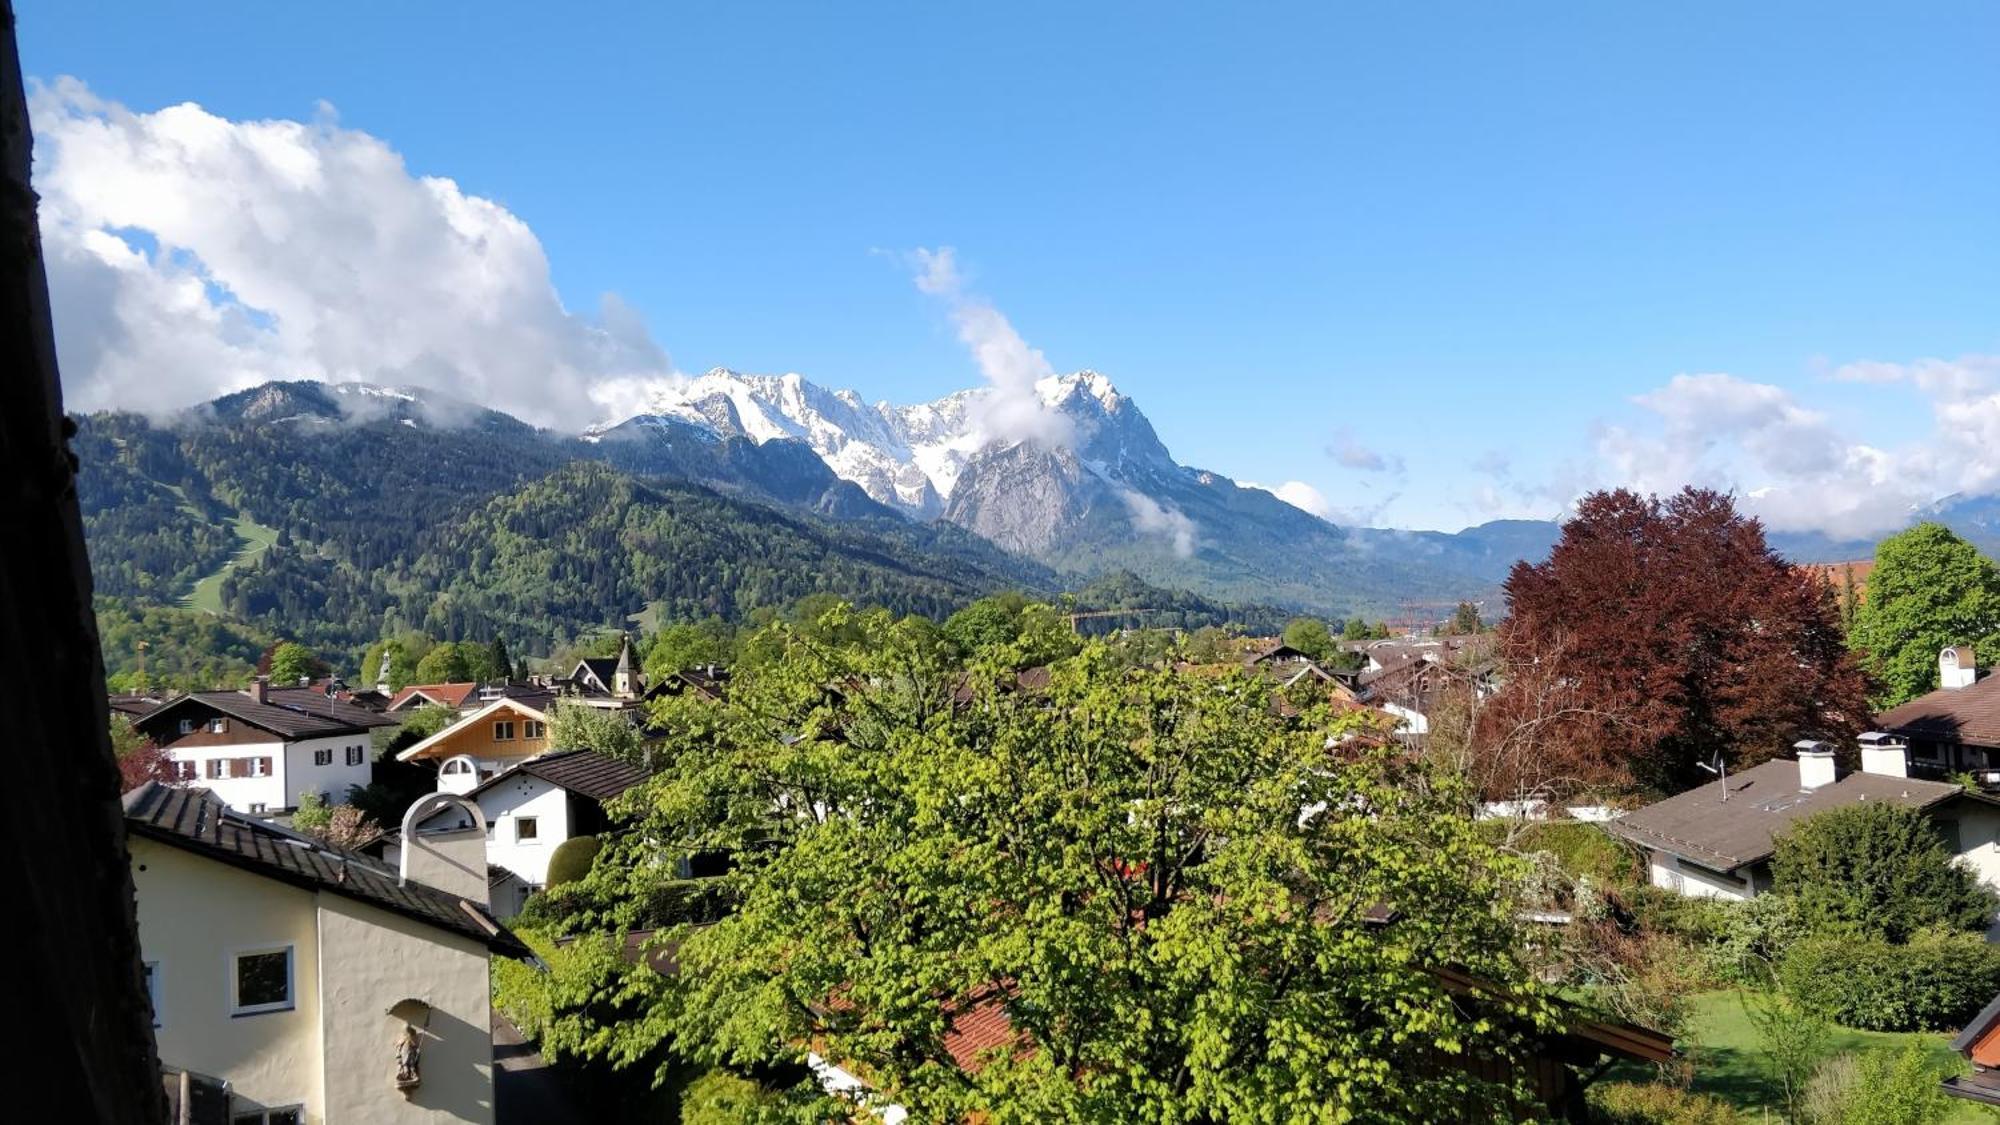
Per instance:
(505,805)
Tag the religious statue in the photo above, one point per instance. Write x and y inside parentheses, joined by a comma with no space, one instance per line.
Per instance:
(407,1054)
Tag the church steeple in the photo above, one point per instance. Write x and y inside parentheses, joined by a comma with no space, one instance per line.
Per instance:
(625,679)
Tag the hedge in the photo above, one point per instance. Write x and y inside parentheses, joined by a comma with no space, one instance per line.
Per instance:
(1937,981)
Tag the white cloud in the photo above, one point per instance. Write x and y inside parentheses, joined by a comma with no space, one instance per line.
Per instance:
(1013,410)
(1349,453)
(190,255)
(1154,518)
(1299,495)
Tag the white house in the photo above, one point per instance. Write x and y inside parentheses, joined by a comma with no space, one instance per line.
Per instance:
(1716,841)
(531,808)
(317,985)
(260,756)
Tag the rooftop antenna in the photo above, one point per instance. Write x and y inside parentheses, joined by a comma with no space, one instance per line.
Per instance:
(1720,771)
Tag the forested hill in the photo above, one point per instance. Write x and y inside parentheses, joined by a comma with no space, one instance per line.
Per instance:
(297,520)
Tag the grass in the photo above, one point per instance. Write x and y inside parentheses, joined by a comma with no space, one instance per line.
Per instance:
(1729,1065)
(207,593)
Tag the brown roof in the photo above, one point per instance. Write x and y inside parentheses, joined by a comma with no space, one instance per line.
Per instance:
(583,772)
(313,701)
(445,695)
(133,706)
(288,723)
(197,821)
(1763,802)
(1970,715)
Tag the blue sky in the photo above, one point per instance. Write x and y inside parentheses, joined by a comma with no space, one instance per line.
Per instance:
(1462,239)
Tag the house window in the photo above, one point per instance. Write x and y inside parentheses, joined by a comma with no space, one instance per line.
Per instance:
(262,981)
(503,730)
(187,726)
(216,769)
(454,767)
(533,728)
(153,989)
(323,757)
(286,1115)
(259,806)
(355,755)
(525,828)
(218,725)
(184,771)
(257,767)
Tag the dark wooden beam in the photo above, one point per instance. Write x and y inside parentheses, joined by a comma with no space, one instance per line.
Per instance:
(73,981)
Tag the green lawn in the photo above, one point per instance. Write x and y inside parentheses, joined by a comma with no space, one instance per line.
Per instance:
(207,593)
(1729,1065)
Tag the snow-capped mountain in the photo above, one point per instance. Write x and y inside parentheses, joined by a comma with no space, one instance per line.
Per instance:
(907,457)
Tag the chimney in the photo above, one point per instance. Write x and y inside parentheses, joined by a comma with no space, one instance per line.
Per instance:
(1815,764)
(1884,754)
(1956,668)
(260,688)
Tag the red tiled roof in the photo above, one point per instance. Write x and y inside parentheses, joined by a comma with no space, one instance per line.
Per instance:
(446,695)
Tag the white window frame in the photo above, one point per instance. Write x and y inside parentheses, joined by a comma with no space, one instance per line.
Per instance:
(218,725)
(533,821)
(534,728)
(291,1001)
(323,756)
(500,723)
(356,756)
(189,726)
(257,767)
(153,992)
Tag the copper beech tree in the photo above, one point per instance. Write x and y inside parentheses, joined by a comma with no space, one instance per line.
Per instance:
(1660,632)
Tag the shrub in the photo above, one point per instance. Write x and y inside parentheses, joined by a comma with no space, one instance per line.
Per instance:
(1936,981)
(1652,1103)
(573,859)
(1880,870)
(1879,1088)
(1746,939)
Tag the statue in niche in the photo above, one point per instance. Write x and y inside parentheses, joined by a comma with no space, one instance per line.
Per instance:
(408,1054)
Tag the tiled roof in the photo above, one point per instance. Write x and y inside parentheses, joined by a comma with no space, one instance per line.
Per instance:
(133,706)
(583,772)
(1763,801)
(313,701)
(286,722)
(197,821)
(444,695)
(1969,715)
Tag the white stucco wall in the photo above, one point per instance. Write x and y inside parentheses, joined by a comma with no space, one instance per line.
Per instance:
(1695,881)
(370,960)
(1978,836)
(194,913)
(334,779)
(1414,722)
(504,805)
(292,771)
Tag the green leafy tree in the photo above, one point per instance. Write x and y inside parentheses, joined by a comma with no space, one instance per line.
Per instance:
(1355,630)
(313,813)
(687,644)
(1929,590)
(404,653)
(453,662)
(1310,636)
(579,726)
(1163,883)
(1792,1039)
(1885,1086)
(292,662)
(1877,869)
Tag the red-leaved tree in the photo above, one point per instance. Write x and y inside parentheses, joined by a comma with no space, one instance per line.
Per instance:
(1673,631)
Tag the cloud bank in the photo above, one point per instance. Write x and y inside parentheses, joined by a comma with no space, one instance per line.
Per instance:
(190,255)
(1013,409)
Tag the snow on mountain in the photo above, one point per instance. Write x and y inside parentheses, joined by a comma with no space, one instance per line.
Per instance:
(909,457)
